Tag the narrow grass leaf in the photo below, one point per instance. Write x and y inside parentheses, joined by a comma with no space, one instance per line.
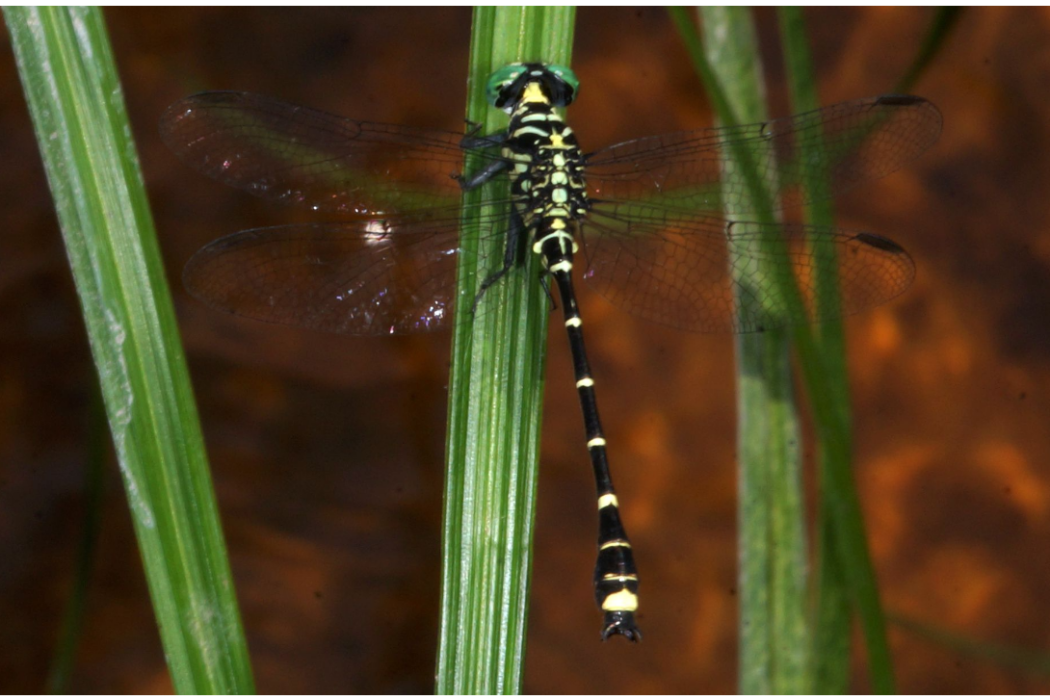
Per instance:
(74,95)
(495,404)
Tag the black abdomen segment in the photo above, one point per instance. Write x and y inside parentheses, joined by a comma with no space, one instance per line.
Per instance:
(615,576)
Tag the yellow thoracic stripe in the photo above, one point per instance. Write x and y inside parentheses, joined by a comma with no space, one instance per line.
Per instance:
(529,130)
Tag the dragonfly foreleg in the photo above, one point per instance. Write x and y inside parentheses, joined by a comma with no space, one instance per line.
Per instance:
(472,141)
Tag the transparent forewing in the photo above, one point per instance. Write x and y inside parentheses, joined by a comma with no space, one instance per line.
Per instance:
(359,279)
(297,155)
(689,272)
(660,240)
(843,145)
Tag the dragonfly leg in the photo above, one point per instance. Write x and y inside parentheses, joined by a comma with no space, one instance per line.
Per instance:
(469,182)
(510,256)
(472,141)
(544,276)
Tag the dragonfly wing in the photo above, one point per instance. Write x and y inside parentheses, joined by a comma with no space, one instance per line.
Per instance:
(341,278)
(839,146)
(709,275)
(297,155)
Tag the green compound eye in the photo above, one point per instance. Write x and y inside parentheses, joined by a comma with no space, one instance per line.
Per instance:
(499,80)
(567,75)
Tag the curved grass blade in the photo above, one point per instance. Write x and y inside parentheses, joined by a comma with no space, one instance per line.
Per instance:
(95,458)
(70,81)
(944,21)
(830,653)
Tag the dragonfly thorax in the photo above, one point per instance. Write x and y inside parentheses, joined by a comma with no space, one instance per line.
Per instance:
(547,178)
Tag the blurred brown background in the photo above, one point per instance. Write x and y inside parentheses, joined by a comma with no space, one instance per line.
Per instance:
(327,452)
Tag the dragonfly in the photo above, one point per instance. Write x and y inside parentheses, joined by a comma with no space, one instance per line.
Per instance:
(658,224)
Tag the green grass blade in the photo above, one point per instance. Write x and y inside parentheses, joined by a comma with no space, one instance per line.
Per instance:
(831,647)
(495,407)
(844,554)
(772,547)
(831,652)
(63,662)
(944,20)
(1035,662)
(832,616)
(71,84)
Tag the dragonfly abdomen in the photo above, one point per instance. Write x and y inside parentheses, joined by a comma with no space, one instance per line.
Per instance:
(615,574)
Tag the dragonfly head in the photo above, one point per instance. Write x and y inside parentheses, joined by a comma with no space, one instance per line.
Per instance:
(506,86)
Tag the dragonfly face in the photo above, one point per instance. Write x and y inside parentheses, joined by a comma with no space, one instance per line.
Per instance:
(658,232)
